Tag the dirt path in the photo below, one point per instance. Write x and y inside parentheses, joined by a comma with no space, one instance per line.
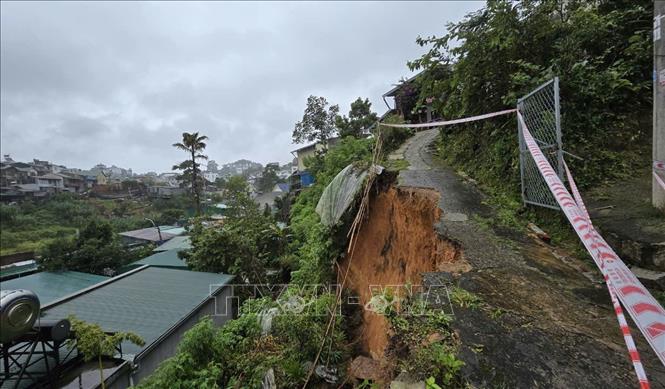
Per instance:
(558,329)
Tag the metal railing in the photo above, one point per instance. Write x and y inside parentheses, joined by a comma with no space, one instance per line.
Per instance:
(542,115)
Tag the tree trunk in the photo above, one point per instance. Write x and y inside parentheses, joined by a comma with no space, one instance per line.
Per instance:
(101,372)
(195,190)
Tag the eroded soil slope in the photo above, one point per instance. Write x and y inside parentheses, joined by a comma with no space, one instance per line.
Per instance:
(545,319)
(395,247)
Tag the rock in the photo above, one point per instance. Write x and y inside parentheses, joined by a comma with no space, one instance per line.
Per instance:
(432,338)
(542,235)
(404,381)
(364,368)
(650,278)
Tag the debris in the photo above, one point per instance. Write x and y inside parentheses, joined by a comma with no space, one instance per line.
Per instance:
(602,208)
(269,379)
(265,320)
(542,235)
(327,373)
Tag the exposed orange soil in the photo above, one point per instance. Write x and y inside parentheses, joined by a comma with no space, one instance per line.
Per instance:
(395,245)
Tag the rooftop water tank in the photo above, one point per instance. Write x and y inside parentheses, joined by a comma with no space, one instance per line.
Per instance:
(19,309)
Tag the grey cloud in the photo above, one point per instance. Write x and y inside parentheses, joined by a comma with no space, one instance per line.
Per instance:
(117,82)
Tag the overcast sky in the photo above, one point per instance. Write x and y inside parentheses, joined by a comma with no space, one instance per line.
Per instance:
(117,83)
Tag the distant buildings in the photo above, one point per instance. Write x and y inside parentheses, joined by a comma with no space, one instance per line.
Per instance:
(212,166)
(40,179)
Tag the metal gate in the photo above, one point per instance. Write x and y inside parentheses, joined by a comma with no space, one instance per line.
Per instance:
(541,113)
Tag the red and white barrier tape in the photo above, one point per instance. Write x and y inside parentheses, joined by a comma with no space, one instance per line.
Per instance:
(645,311)
(622,284)
(659,166)
(623,324)
(449,122)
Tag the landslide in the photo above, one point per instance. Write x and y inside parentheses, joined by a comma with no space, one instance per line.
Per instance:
(543,317)
(396,245)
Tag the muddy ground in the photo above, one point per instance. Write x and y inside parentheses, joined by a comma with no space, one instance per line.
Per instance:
(546,320)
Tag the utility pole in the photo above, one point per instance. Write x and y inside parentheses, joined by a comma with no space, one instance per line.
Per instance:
(658,192)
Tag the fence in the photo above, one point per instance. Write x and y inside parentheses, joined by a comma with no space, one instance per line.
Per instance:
(541,113)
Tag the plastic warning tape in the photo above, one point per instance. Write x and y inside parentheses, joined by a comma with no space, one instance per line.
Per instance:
(659,166)
(449,122)
(621,318)
(646,312)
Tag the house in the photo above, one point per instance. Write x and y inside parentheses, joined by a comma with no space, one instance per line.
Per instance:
(89,177)
(51,286)
(210,176)
(268,199)
(15,173)
(301,178)
(310,150)
(281,187)
(407,93)
(165,192)
(50,182)
(156,235)
(73,182)
(158,304)
(176,243)
(167,259)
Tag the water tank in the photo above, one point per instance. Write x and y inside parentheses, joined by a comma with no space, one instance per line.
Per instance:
(19,309)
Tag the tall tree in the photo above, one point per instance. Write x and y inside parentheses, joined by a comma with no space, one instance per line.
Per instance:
(360,120)
(269,178)
(193,144)
(318,121)
(95,250)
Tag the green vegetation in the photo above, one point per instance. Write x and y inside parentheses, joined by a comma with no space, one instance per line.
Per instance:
(602,53)
(93,342)
(425,341)
(193,144)
(315,247)
(269,178)
(246,245)
(464,298)
(237,354)
(360,120)
(318,121)
(96,249)
(30,226)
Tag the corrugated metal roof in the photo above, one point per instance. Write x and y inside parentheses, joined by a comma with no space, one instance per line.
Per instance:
(51,286)
(18,269)
(150,234)
(148,301)
(174,230)
(176,243)
(162,259)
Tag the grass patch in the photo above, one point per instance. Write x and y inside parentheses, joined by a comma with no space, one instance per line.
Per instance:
(463,298)
(396,164)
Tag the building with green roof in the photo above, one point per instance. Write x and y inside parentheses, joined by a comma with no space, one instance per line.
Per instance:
(167,259)
(176,243)
(51,286)
(157,303)
(16,270)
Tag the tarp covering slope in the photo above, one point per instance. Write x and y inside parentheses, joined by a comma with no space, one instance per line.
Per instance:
(339,194)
